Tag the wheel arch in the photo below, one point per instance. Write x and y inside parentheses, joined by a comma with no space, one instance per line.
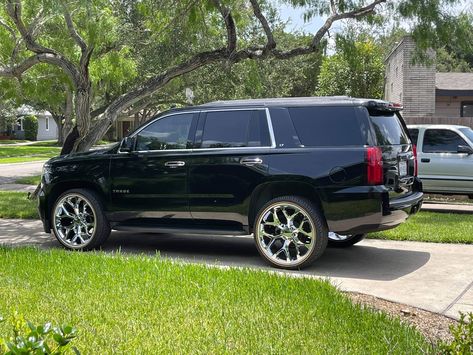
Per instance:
(273,189)
(64,186)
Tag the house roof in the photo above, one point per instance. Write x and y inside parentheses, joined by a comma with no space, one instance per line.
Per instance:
(454,81)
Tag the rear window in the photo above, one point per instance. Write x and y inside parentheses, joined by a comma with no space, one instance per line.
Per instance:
(327,126)
(388,128)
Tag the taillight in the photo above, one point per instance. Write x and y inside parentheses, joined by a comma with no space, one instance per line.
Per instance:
(374,162)
(414,150)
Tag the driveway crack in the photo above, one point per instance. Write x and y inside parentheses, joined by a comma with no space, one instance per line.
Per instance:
(470,285)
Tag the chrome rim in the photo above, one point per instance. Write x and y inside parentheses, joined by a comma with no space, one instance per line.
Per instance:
(74,220)
(338,237)
(285,233)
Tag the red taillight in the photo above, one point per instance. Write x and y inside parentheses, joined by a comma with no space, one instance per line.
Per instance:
(374,162)
(414,150)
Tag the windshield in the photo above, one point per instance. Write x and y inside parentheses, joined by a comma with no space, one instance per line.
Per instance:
(468,132)
(388,128)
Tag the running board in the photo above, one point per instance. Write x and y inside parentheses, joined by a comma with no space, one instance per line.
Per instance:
(178,230)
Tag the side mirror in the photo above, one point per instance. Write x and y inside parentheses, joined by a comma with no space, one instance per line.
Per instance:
(464,149)
(127,144)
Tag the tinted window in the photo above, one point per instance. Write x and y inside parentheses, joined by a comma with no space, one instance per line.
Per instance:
(388,128)
(240,128)
(441,141)
(170,132)
(414,133)
(327,126)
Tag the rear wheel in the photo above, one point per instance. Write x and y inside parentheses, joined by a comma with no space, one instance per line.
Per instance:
(290,232)
(342,241)
(79,222)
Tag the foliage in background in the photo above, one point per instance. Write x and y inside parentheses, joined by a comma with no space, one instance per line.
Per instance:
(30,126)
(462,333)
(42,339)
(356,69)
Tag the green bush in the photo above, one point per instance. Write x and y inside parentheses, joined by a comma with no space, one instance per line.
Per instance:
(462,333)
(30,125)
(43,339)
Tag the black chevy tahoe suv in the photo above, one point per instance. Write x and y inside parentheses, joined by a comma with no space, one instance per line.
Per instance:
(297,173)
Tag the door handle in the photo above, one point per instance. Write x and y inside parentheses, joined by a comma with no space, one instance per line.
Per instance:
(425,160)
(174,164)
(251,161)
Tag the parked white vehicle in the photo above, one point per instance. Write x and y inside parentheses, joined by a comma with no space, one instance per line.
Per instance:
(445,158)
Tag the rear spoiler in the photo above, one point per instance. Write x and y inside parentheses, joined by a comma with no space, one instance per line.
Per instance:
(383,105)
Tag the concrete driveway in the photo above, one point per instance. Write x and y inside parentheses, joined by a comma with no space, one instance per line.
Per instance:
(435,277)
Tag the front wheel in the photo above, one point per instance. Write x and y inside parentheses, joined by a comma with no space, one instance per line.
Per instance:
(343,241)
(290,232)
(79,222)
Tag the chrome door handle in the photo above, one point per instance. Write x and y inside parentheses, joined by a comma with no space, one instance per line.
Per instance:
(174,164)
(251,161)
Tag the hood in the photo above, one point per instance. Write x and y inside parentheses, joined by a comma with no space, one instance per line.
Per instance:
(85,155)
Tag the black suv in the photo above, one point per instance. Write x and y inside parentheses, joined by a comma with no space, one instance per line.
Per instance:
(297,173)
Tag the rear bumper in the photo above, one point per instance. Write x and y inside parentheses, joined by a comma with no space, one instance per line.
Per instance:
(375,211)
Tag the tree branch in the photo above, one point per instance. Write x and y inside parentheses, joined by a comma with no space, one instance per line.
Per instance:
(72,30)
(271,44)
(229,25)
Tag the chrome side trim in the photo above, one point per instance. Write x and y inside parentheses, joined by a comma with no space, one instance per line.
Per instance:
(268,118)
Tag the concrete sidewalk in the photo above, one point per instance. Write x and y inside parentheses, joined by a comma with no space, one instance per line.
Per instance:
(448,207)
(435,277)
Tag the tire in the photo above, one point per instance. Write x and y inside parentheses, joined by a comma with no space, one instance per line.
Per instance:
(336,240)
(295,238)
(78,220)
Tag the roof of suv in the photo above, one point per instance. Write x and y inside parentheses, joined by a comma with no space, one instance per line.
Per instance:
(294,101)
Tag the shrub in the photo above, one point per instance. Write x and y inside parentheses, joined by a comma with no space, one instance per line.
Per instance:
(43,339)
(30,125)
(462,333)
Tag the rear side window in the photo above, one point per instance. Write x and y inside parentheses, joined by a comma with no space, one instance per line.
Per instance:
(414,133)
(441,141)
(232,129)
(327,126)
(388,128)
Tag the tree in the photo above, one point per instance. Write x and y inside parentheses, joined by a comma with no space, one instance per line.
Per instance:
(71,34)
(356,69)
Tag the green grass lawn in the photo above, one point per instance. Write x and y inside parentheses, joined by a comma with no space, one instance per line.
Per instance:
(140,304)
(27,153)
(432,227)
(16,205)
(29,180)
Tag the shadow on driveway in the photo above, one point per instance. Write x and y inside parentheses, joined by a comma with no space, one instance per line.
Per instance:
(358,262)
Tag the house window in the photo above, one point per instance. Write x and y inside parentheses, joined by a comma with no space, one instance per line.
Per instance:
(19,124)
(466,109)
(47,123)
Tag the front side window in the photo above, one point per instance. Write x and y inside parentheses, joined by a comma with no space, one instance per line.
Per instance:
(467,109)
(441,141)
(233,129)
(171,132)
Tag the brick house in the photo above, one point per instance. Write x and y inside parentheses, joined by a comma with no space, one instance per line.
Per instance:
(427,96)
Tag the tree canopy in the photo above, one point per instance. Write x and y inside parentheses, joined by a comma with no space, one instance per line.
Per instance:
(117,54)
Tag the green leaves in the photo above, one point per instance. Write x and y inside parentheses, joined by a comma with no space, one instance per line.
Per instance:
(41,339)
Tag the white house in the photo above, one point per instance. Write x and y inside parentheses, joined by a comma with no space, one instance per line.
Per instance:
(47,128)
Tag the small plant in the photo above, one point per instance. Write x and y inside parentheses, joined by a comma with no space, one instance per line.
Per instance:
(43,339)
(462,333)
(30,125)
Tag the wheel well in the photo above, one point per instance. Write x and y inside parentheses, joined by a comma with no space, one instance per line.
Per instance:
(271,190)
(58,189)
